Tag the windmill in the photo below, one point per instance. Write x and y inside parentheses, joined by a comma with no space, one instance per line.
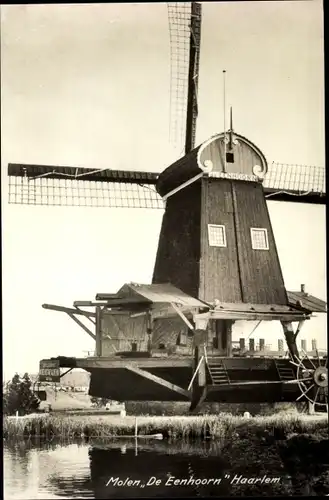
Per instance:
(217,263)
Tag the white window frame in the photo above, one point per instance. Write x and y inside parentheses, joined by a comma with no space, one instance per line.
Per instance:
(210,241)
(264,231)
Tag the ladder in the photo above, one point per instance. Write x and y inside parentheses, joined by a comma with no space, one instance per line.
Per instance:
(218,372)
(284,370)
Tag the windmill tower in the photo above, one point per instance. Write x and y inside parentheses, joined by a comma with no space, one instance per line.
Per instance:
(216,264)
(216,239)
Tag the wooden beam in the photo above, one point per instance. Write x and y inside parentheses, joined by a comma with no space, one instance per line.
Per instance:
(214,388)
(149,331)
(88,317)
(196,403)
(266,353)
(195,373)
(228,333)
(113,362)
(159,381)
(250,307)
(250,316)
(98,331)
(299,327)
(127,302)
(68,310)
(65,373)
(201,320)
(179,312)
(182,186)
(89,303)
(290,339)
(81,325)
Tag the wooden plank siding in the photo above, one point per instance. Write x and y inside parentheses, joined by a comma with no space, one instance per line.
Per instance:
(237,272)
(178,255)
(120,331)
(220,276)
(260,270)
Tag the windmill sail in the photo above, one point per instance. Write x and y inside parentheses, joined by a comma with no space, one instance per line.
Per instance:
(71,186)
(68,186)
(193,77)
(185,32)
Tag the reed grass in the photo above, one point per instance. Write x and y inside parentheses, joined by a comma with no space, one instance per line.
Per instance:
(220,426)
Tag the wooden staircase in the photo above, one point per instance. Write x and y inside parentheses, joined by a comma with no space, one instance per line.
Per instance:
(284,370)
(218,372)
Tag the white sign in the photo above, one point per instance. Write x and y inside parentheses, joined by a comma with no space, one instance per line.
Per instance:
(235,176)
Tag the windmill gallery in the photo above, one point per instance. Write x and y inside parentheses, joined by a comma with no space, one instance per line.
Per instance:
(217,265)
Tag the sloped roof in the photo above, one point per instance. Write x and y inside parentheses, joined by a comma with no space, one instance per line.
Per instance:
(304,301)
(135,293)
(164,293)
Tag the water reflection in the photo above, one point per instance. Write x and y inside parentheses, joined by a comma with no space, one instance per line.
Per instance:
(153,468)
(149,468)
(31,474)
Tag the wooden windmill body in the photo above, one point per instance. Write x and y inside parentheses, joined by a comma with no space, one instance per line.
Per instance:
(209,227)
(216,264)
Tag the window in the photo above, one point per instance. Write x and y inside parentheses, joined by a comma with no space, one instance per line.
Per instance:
(259,239)
(216,235)
(229,157)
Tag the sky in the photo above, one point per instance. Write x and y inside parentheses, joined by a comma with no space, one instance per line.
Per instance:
(89,85)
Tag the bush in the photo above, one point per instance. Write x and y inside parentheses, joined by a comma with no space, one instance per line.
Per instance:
(99,402)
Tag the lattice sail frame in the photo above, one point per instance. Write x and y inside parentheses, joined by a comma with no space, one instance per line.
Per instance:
(68,192)
(64,186)
(184,20)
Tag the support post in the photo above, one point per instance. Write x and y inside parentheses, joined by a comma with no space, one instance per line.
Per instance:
(201,375)
(228,332)
(195,373)
(290,339)
(98,332)
(251,345)
(280,345)
(311,408)
(199,386)
(299,327)
(200,379)
(149,331)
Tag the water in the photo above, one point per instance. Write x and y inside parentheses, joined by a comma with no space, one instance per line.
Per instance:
(126,469)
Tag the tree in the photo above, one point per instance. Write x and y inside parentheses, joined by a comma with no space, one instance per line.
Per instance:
(19,396)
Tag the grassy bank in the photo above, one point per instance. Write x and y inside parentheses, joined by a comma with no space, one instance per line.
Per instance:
(221,426)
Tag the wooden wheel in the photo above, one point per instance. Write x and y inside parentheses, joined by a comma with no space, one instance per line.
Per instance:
(312,378)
